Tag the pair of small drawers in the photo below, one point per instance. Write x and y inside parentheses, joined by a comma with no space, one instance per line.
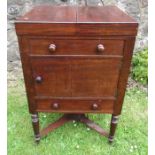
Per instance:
(72,75)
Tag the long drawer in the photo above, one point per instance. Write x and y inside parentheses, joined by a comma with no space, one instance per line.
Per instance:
(53,46)
(74,106)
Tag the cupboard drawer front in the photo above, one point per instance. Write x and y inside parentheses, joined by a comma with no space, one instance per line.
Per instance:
(75,76)
(70,106)
(51,46)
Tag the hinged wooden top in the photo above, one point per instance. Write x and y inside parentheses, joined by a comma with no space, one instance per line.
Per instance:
(76,21)
(75,14)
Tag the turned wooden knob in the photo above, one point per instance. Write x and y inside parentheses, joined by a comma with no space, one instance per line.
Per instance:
(52,47)
(95,106)
(100,48)
(55,105)
(39,79)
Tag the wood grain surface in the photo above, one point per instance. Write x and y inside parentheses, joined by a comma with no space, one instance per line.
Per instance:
(76,14)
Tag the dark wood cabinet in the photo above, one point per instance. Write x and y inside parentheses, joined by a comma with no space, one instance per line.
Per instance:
(75,60)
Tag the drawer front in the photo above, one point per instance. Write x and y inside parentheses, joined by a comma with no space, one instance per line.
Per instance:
(74,106)
(51,46)
(75,76)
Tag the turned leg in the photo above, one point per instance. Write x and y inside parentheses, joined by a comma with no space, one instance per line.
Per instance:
(114,121)
(35,124)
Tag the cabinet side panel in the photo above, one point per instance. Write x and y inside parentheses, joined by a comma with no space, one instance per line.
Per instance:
(24,50)
(128,51)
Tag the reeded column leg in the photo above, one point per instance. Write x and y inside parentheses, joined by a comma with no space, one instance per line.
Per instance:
(114,121)
(35,124)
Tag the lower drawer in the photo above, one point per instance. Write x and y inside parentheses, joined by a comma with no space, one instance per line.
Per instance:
(74,106)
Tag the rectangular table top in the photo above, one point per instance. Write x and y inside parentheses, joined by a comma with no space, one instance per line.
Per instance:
(75,14)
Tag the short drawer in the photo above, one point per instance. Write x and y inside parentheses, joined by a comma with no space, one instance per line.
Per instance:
(74,105)
(51,46)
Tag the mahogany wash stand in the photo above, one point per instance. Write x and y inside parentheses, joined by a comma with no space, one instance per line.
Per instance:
(75,60)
